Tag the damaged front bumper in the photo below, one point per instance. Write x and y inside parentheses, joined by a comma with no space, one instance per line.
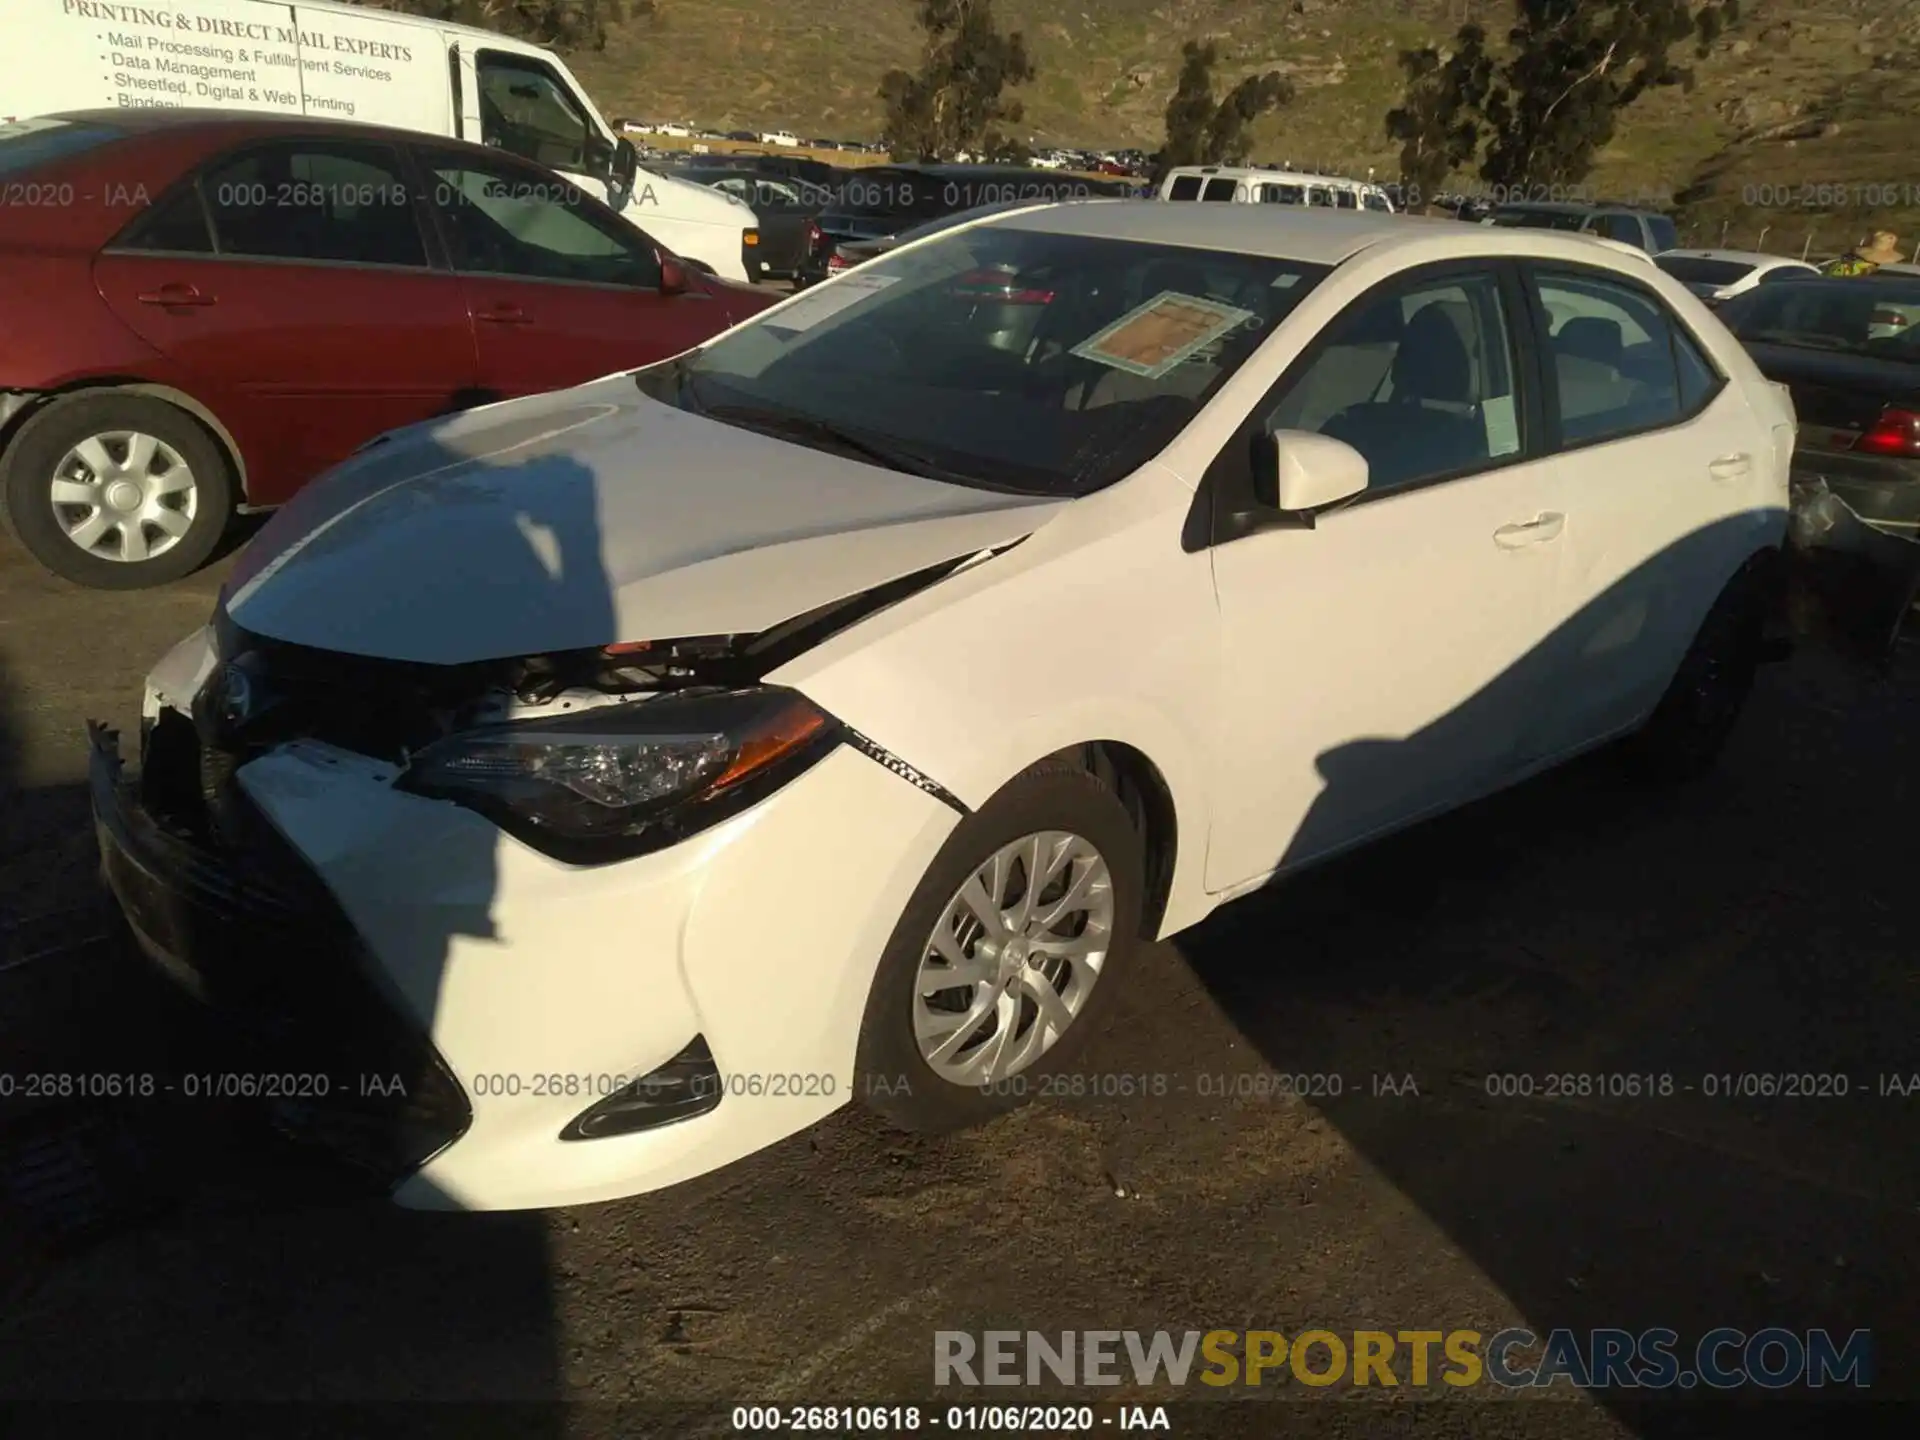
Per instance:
(310,1036)
(334,917)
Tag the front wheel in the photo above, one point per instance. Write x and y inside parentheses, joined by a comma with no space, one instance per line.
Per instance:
(1010,949)
(117,492)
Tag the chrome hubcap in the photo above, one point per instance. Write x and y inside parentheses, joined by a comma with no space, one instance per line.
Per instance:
(1013,958)
(124,495)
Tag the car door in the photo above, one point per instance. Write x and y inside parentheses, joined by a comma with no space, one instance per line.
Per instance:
(560,290)
(291,287)
(1382,663)
(1666,469)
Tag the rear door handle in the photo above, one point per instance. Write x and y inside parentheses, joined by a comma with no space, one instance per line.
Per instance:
(1731,467)
(174,295)
(505,315)
(1532,532)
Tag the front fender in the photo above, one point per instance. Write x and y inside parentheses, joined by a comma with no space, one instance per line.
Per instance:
(1097,627)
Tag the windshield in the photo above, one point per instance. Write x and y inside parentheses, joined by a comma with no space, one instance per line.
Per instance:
(1539,219)
(28,144)
(1844,317)
(999,357)
(1694,270)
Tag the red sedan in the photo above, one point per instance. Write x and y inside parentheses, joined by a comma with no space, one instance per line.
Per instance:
(204,310)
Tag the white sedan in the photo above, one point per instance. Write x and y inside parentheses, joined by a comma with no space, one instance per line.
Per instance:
(1717,275)
(579,794)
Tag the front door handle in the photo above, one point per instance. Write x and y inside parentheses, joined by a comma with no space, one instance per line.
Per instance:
(176,295)
(505,315)
(1731,467)
(1536,531)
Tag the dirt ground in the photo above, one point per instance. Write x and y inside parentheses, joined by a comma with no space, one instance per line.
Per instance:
(1760,921)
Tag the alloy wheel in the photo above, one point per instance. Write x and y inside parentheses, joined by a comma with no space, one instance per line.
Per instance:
(1013,958)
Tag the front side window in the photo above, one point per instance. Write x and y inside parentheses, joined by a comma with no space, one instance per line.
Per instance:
(998,356)
(1344,200)
(1620,227)
(1376,201)
(338,202)
(1282,195)
(501,219)
(527,111)
(1420,380)
(1613,358)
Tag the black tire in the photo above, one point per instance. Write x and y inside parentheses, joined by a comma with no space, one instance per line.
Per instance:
(47,437)
(1695,717)
(891,1074)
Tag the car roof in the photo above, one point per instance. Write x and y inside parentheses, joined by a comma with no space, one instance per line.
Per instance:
(243,123)
(1258,172)
(1284,232)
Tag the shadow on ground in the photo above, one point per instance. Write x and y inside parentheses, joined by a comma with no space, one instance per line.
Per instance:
(1541,1016)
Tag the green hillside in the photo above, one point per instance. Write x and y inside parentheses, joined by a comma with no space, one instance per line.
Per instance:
(1106,68)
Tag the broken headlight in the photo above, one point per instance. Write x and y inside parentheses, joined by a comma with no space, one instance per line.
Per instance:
(618,780)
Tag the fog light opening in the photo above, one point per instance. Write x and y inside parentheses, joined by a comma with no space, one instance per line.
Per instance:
(686,1086)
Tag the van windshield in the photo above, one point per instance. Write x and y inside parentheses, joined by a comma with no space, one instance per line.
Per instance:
(26,145)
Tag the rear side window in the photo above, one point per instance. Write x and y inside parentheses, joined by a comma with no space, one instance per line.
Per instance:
(327,201)
(176,226)
(1184,187)
(1343,199)
(1281,195)
(1619,227)
(1619,360)
(1218,190)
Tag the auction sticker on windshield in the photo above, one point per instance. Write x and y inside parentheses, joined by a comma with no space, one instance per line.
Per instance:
(828,301)
(1151,339)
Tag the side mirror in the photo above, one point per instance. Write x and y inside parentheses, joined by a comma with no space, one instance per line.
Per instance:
(622,172)
(673,276)
(1309,472)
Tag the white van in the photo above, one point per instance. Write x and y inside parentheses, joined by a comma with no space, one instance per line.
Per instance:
(346,62)
(1244,186)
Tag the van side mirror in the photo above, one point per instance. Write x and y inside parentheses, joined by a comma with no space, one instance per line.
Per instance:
(622,172)
(1306,472)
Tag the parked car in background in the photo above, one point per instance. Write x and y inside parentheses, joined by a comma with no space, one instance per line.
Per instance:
(738,720)
(1244,186)
(780,137)
(850,253)
(1856,469)
(1717,275)
(1856,393)
(233,302)
(881,201)
(427,75)
(1646,230)
(785,211)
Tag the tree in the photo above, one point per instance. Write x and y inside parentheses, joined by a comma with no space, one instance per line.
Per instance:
(1549,108)
(1202,131)
(954,102)
(1436,123)
(569,24)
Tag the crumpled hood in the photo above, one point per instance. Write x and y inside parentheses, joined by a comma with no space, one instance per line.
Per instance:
(586,517)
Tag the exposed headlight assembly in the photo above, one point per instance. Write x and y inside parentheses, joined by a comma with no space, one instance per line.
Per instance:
(620,780)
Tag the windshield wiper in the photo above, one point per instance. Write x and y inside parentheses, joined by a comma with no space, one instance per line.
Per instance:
(809,428)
